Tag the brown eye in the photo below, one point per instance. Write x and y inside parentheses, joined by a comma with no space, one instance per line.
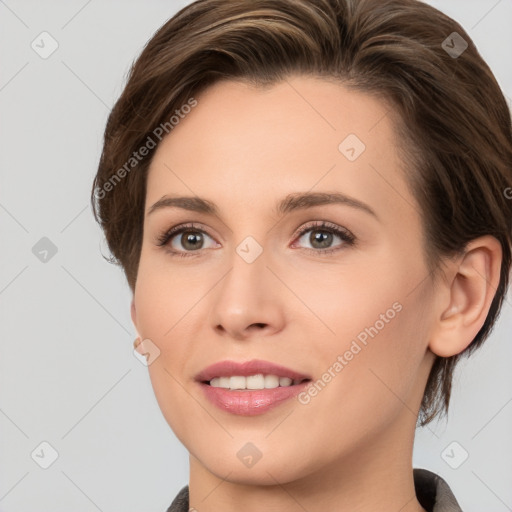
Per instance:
(191,240)
(322,236)
(320,239)
(185,239)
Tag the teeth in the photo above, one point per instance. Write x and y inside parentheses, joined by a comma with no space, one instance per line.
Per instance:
(224,382)
(258,381)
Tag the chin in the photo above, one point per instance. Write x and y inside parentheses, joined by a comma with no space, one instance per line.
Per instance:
(269,472)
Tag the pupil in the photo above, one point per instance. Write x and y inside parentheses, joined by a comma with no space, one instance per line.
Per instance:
(324,238)
(191,240)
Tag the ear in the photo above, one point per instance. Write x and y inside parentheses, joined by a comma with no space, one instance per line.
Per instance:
(467,295)
(133,313)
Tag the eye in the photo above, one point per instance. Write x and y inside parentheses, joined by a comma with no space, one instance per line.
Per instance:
(186,238)
(321,235)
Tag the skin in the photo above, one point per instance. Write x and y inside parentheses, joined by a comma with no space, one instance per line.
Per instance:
(350,448)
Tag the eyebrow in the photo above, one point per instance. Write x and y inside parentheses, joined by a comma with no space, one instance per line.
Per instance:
(292,202)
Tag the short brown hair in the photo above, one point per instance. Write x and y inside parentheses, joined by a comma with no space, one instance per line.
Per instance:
(451,115)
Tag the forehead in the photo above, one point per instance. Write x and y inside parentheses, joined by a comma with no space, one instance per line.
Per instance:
(301,134)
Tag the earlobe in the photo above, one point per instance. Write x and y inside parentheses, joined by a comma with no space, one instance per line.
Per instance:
(472,287)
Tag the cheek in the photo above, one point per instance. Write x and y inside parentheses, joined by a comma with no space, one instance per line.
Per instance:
(164,294)
(379,339)
(382,345)
(168,308)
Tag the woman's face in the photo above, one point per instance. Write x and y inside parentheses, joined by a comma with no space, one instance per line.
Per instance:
(345,304)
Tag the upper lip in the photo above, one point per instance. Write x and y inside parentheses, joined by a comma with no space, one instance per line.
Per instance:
(253,367)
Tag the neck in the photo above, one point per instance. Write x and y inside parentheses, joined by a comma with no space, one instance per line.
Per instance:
(377,475)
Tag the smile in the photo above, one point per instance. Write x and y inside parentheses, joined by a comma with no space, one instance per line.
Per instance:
(250,388)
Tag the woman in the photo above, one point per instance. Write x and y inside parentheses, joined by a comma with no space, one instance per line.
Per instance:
(309,201)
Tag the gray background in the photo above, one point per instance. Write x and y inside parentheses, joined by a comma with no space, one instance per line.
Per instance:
(67,372)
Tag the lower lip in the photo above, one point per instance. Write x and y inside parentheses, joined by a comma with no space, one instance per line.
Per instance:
(250,402)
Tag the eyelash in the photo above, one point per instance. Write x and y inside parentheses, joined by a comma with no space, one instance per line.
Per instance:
(346,236)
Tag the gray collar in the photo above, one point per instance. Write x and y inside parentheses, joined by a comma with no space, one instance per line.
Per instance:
(432,492)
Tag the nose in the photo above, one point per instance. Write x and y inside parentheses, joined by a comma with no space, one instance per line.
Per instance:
(248,301)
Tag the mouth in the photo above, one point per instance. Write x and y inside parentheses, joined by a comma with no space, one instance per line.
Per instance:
(250,388)
(254,368)
(253,382)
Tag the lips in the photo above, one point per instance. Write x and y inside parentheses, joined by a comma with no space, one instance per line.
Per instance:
(250,402)
(245,369)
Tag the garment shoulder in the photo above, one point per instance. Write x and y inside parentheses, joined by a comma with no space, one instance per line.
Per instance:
(434,493)
(180,502)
